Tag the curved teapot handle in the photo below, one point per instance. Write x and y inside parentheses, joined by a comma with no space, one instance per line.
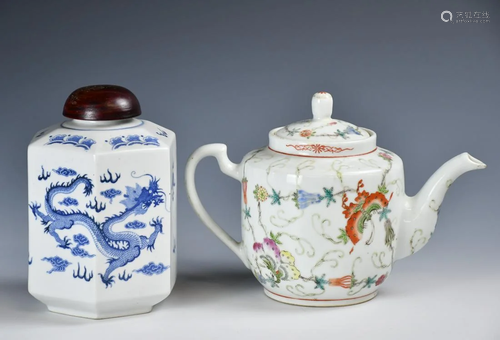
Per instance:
(219,151)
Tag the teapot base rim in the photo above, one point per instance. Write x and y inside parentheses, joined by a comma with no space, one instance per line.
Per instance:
(319,302)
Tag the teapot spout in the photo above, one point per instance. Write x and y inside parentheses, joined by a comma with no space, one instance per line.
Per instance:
(421,211)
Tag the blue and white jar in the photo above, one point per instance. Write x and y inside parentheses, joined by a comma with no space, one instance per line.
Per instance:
(102,208)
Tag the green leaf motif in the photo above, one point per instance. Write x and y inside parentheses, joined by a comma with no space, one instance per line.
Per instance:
(276,198)
(383,189)
(274,237)
(268,264)
(343,236)
(370,281)
(320,282)
(246,211)
(279,274)
(328,196)
(295,198)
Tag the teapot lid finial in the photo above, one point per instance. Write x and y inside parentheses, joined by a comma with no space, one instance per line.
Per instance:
(322,136)
(322,105)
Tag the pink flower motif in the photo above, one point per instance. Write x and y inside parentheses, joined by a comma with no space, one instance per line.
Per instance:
(306,133)
(272,246)
(380,280)
(273,265)
(257,246)
(385,156)
(268,247)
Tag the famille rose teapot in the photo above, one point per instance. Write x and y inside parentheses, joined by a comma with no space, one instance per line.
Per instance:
(102,208)
(324,212)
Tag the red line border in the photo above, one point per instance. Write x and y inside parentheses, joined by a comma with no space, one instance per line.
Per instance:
(346,299)
(313,156)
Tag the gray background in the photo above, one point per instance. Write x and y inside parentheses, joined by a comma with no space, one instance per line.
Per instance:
(228,72)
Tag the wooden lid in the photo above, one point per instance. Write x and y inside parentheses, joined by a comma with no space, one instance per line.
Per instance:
(101,102)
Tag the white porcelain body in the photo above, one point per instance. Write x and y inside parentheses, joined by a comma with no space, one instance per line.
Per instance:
(295,205)
(102,217)
(325,231)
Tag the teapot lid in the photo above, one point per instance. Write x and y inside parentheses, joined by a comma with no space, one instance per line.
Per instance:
(322,136)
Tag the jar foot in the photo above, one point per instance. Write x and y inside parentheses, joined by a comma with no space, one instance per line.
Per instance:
(101,314)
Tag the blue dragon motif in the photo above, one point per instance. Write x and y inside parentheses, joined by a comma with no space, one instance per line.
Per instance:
(120,247)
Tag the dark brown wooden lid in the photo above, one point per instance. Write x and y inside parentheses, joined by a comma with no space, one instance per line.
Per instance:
(101,102)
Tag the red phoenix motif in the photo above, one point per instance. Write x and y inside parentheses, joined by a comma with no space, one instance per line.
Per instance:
(360,211)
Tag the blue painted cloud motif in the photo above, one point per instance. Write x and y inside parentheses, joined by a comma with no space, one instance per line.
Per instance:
(68,201)
(151,269)
(118,142)
(81,239)
(58,264)
(76,140)
(110,194)
(135,225)
(66,172)
(80,252)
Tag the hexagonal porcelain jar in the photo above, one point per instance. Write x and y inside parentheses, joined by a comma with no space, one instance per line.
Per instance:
(324,214)
(102,208)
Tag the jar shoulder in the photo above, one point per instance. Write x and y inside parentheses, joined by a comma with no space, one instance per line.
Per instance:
(132,135)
